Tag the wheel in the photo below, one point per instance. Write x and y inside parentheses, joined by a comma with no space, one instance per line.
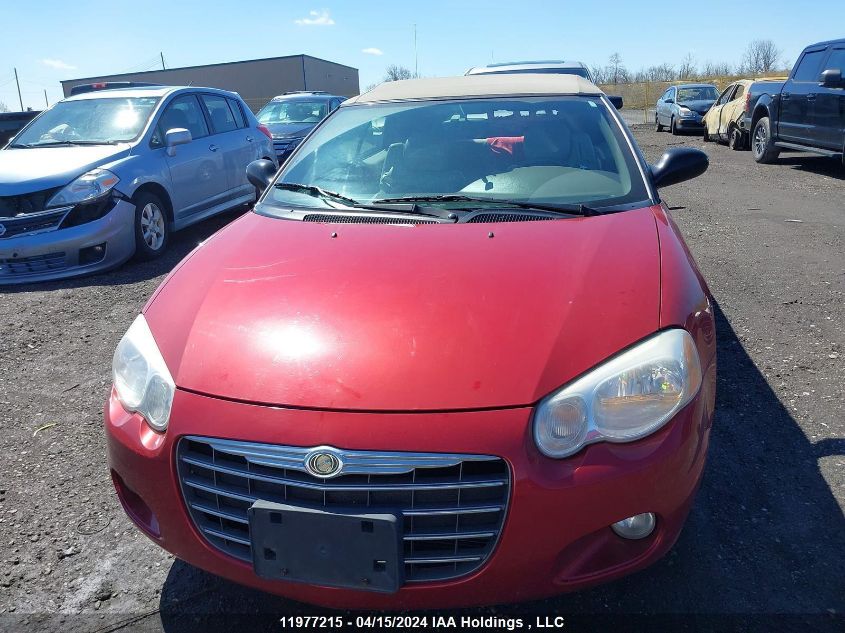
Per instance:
(152,229)
(672,127)
(735,140)
(657,126)
(761,142)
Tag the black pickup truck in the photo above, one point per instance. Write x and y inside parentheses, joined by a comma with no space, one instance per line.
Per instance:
(804,113)
(12,122)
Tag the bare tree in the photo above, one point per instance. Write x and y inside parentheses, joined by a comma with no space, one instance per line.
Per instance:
(615,70)
(718,69)
(3,107)
(688,68)
(395,73)
(761,56)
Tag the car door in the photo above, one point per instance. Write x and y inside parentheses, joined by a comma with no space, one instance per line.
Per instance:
(235,143)
(197,178)
(714,115)
(725,109)
(797,99)
(829,112)
(666,109)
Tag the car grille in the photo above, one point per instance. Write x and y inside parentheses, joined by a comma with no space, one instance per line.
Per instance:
(32,223)
(10,206)
(363,219)
(453,506)
(32,265)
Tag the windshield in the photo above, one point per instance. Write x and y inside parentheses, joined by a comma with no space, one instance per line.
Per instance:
(90,121)
(297,111)
(698,93)
(565,150)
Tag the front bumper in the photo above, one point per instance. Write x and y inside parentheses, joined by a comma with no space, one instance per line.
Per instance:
(695,122)
(55,254)
(556,536)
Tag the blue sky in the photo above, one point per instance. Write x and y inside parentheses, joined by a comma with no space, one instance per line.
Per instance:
(56,41)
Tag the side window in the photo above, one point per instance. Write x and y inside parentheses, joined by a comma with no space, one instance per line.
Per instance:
(808,68)
(184,112)
(222,119)
(724,97)
(240,121)
(740,92)
(836,61)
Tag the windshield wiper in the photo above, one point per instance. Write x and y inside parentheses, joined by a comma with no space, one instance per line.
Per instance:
(565,209)
(408,207)
(67,142)
(317,192)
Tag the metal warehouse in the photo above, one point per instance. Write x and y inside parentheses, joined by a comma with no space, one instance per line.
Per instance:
(256,80)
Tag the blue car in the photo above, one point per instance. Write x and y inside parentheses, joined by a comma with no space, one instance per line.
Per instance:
(291,116)
(682,108)
(106,174)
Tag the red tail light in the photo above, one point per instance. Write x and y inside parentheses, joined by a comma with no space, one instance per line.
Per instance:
(747,100)
(265,130)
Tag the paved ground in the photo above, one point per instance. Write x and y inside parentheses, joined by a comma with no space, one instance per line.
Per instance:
(766,534)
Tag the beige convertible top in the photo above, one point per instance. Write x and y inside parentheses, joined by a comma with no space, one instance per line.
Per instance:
(494,85)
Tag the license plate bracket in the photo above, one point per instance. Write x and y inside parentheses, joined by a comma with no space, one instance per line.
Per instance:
(338,548)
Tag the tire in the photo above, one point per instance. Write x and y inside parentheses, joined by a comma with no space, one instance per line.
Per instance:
(657,126)
(762,147)
(672,128)
(152,228)
(735,140)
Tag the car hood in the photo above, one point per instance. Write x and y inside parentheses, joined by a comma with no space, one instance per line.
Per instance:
(25,171)
(406,318)
(290,130)
(700,105)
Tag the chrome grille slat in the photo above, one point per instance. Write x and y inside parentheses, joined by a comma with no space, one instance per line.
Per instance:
(453,505)
(458,485)
(440,560)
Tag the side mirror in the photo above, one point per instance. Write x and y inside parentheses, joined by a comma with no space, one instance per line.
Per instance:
(678,164)
(176,136)
(832,78)
(260,173)
(669,101)
(616,101)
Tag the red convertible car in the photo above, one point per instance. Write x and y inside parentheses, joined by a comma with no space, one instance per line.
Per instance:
(458,354)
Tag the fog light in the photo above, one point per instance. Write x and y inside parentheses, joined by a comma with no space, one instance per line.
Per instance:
(92,254)
(635,527)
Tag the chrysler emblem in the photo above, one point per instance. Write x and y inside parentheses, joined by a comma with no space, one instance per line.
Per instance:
(2,230)
(323,463)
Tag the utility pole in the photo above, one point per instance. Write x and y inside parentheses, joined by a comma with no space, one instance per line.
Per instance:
(20,98)
(46,103)
(416,58)
(163,67)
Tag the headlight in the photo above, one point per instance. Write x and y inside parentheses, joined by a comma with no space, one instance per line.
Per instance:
(686,112)
(626,398)
(88,187)
(141,378)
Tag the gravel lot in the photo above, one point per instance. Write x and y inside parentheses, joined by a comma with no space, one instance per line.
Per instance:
(766,534)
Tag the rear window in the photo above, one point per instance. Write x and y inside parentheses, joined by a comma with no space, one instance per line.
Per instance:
(239,115)
(555,150)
